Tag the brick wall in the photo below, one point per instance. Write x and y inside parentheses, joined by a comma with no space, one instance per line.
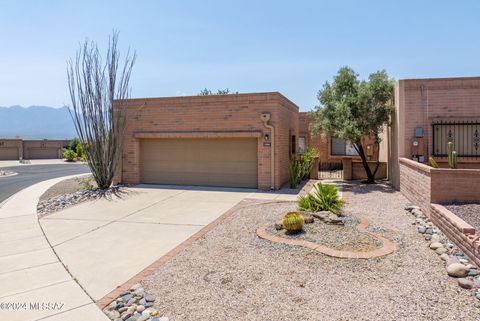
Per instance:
(421,102)
(212,116)
(449,185)
(358,172)
(415,183)
(457,230)
(423,185)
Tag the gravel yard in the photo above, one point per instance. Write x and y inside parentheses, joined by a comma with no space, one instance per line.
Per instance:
(69,186)
(73,191)
(470,213)
(231,274)
(340,237)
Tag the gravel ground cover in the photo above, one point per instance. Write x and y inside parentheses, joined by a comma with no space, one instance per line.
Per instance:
(69,186)
(71,192)
(340,237)
(469,212)
(231,274)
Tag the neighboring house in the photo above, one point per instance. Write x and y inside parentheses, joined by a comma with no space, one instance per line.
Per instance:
(335,151)
(13,149)
(238,140)
(429,114)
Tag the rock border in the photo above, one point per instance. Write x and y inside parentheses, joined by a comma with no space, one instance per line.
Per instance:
(388,246)
(4,173)
(457,264)
(133,305)
(64,201)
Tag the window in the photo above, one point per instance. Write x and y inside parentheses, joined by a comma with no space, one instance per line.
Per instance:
(341,147)
(301,145)
(293,144)
(465,138)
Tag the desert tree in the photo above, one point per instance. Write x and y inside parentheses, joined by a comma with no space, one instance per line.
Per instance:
(97,87)
(354,110)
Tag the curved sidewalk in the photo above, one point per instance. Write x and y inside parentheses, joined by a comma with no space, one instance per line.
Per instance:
(34,283)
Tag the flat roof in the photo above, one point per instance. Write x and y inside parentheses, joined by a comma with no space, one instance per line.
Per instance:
(203,97)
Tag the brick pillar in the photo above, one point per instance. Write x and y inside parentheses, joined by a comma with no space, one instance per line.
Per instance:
(314,169)
(347,168)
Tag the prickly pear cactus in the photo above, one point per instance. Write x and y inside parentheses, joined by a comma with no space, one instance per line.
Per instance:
(293,222)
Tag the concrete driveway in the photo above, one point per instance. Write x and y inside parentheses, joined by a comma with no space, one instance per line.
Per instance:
(34,283)
(106,242)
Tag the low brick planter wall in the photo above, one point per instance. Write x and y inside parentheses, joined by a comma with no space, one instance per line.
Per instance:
(457,230)
(426,187)
(423,185)
(415,183)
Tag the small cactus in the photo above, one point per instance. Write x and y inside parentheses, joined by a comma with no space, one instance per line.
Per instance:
(454,159)
(452,156)
(293,222)
(433,162)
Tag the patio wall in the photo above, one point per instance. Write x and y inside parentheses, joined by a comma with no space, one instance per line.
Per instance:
(457,230)
(415,183)
(427,187)
(423,184)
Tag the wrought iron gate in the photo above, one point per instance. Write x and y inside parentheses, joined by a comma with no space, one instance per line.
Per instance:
(330,170)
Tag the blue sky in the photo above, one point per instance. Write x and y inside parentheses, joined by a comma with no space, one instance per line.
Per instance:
(247,46)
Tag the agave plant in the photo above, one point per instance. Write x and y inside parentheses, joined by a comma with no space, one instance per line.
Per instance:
(325,198)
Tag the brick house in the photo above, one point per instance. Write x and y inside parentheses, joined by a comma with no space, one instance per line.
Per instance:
(239,140)
(14,149)
(430,113)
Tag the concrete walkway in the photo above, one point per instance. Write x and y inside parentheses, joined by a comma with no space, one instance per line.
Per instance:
(101,243)
(104,243)
(34,284)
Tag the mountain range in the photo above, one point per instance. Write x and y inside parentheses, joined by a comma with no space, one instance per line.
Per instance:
(36,122)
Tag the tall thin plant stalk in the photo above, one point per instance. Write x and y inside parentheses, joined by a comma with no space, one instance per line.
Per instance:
(94,85)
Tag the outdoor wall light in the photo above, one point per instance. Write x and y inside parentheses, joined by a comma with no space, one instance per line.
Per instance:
(266,137)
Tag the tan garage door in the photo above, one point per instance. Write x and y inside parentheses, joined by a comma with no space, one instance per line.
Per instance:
(228,162)
(42,153)
(9,153)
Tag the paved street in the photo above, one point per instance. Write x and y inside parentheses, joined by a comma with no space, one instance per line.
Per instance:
(32,174)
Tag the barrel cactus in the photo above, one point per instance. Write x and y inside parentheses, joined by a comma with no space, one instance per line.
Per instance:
(293,222)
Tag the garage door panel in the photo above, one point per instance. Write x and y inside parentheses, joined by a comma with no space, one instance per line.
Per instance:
(43,153)
(9,153)
(211,162)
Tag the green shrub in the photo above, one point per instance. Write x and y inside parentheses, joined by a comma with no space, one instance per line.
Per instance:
(307,159)
(300,166)
(69,155)
(295,172)
(325,198)
(79,152)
